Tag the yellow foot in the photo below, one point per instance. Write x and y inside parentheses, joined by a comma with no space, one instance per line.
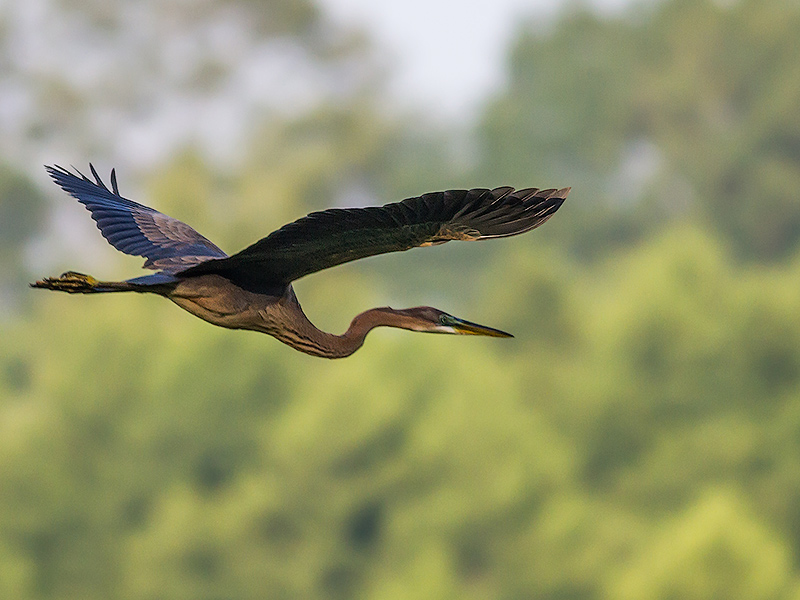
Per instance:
(70,282)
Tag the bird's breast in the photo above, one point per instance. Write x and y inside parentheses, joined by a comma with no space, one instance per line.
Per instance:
(219,301)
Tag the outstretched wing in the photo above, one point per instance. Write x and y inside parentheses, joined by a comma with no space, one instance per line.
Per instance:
(335,236)
(132,228)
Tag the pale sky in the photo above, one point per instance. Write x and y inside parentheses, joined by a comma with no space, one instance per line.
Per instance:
(446,55)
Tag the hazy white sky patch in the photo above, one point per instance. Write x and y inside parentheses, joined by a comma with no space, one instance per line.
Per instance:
(446,55)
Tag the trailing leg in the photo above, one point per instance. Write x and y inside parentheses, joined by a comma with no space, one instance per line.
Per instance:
(78,283)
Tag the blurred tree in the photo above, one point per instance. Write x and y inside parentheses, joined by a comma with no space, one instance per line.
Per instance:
(567,118)
(22,216)
(137,80)
(702,557)
(716,94)
(639,438)
(682,107)
(176,460)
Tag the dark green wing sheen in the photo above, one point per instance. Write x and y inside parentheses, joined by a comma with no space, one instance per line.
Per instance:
(335,236)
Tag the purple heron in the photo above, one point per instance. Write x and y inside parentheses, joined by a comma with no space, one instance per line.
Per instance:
(252,289)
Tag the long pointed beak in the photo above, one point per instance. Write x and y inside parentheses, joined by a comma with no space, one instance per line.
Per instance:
(467,328)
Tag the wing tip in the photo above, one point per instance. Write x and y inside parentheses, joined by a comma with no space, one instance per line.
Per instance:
(65,178)
(514,213)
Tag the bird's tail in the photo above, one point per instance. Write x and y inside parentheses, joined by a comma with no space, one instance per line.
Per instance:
(78,283)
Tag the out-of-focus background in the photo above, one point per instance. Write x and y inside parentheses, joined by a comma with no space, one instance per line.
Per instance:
(638,439)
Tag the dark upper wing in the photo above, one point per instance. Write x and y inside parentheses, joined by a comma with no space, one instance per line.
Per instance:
(332,237)
(132,228)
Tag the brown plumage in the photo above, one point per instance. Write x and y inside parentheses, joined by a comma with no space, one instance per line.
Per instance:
(252,289)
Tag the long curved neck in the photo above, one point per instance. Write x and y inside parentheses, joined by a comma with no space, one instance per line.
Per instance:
(306,337)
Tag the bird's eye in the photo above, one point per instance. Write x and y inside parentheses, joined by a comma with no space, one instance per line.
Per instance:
(443,320)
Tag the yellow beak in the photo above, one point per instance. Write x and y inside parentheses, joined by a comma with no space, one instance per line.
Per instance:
(467,328)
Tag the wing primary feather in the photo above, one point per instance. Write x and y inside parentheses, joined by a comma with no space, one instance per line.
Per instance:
(114,186)
(98,181)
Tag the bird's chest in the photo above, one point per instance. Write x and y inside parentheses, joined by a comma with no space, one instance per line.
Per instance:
(218,301)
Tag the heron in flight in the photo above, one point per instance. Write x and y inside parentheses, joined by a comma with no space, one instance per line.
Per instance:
(252,289)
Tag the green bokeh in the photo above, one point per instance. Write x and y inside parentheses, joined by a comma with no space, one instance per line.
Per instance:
(639,438)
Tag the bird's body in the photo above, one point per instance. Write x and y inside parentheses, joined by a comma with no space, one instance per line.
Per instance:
(219,301)
(253,288)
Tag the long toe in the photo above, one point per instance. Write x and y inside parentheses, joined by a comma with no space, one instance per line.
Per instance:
(70,282)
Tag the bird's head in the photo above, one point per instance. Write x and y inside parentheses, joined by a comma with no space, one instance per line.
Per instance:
(433,320)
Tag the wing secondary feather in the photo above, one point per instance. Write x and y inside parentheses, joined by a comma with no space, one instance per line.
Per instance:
(335,236)
(168,245)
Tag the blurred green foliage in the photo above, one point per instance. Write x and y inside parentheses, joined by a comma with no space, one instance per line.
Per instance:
(639,438)
(22,212)
(682,107)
